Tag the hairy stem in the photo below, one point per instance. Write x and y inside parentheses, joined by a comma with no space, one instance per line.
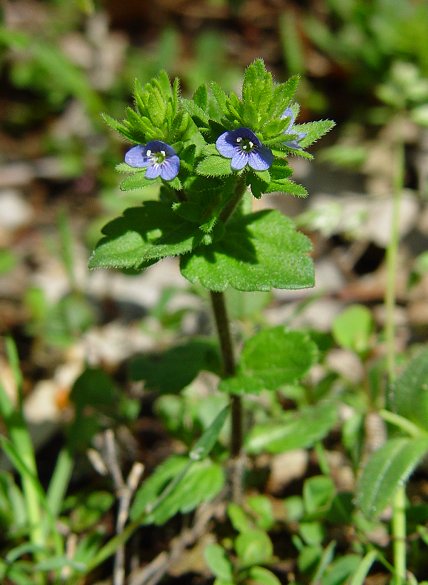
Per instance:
(228,359)
(227,353)
(234,201)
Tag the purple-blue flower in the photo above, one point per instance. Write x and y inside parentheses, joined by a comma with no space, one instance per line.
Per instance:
(244,148)
(288,113)
(159,158)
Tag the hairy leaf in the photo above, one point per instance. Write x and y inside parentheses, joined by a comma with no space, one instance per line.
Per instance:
(143,234)
(214,166)
(409,393)
(275,357)
(198,482)
(293,431)
(259,251)
(387,469)
(314,131)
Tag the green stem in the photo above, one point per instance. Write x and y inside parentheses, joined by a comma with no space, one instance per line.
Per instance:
(234,201)
(399,534)
(226,348)
(391,264)
(223,331)
(398,506)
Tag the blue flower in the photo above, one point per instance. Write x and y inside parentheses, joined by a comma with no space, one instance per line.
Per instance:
(288,113)
(159,158)
(244,148)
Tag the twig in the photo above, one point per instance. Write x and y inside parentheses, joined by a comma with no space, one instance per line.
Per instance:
(156,569)
(124,493)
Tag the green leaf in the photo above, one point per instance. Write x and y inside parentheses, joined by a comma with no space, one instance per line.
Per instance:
(238,518)
(200,97)
(144,234)
(13,512)
(219,95)
(257,92)
(57,563)
(255,74)
(253,547)
(94,387)
(216,558)
(259,251)
(241,384)
(387,469)
(137,181)
(287,186)
(197,482)
(261,507)
(280,171)
(283,94)
(87,509)
(171,371)
(360,572)
(259,182)
(314,131)
(275,357)
(341,570)
(214,166)
(352,329)
(409,393)
(261,576)
(293,431)
(318,494)
(205,444)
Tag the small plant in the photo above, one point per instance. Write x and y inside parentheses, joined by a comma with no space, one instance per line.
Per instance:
(210,155)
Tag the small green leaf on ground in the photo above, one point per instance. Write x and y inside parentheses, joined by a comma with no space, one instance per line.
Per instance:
(216,559)
(293,431)
(253,547)
(352,329)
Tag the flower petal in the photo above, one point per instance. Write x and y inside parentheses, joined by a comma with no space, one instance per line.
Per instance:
(293,144)
(169,168)
(153,171)
(226,145)
(247,134)
(261,159)
(136,157)
(239,160)
(288,113)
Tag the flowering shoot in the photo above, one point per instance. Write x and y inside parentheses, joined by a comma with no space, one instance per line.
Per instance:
(159,158)
(243,147)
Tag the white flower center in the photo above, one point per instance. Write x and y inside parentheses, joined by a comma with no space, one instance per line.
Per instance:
(245,144)
(157,158)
